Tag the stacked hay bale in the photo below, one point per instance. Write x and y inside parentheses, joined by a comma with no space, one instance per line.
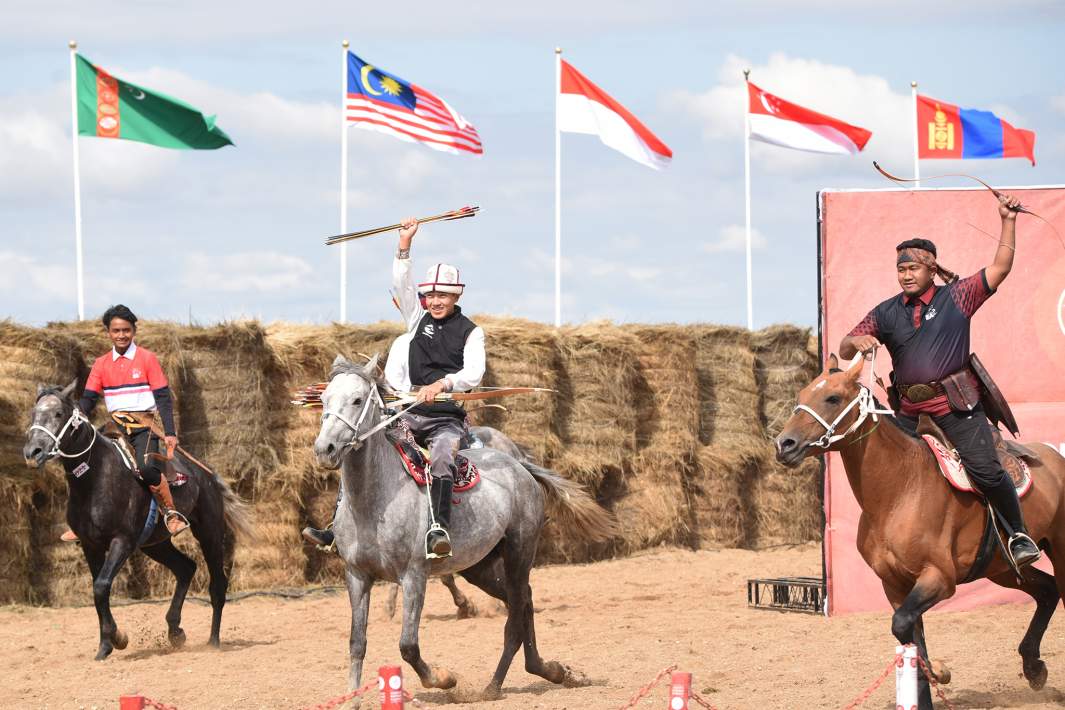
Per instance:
(304,355)
(657,509)
(787,503)
(731,434)
(523,354)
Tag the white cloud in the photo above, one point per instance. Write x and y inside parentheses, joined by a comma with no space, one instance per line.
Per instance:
(246,271)
(1058,103)
(33,281)
(734,238)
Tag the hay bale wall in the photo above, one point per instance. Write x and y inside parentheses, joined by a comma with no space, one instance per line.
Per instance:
(668,426)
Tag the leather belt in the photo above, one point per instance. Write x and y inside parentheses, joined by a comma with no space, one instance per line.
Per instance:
(922,392)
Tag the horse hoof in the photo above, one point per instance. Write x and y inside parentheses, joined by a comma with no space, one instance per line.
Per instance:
(941,672)
(1037,677)
(492,692)
(466,611)
(176,638)
(104,652)
(442,678)
(120,640)
(214,642)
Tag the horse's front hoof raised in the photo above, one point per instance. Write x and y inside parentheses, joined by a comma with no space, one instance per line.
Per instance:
(176,638)
(120,639)
(1036,673)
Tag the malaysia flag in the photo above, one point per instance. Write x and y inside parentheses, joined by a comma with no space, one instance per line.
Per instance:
(585,108)
(383,102)
(774,120)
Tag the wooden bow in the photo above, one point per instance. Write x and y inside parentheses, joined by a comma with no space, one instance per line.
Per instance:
(996,193)
(462,213)
(310,397)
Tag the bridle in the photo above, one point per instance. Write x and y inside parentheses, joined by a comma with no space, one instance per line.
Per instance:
(864,401)
(72,424)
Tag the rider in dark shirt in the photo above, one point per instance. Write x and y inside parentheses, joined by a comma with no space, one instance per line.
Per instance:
(926,330)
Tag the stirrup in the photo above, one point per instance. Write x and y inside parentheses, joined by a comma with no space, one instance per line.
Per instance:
(1009,547)
(431,554)
(331,547)
(174,513)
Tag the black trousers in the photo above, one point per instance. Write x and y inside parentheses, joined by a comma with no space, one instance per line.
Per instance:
(144,443)
(970,433)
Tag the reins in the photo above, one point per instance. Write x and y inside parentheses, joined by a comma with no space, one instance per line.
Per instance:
(867,406)
(358,436)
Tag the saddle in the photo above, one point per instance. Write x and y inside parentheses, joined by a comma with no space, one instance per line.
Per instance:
(120,426)
(1013,457)
(416,459)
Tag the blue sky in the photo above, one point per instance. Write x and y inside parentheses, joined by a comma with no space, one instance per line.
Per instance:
(238,232)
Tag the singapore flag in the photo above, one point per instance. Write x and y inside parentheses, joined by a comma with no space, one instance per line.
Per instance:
(774,120)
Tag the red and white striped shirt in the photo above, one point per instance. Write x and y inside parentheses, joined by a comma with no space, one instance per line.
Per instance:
(126,381)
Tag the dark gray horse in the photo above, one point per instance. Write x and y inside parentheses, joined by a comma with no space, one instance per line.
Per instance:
(107,509)
(464,606)
(382,521)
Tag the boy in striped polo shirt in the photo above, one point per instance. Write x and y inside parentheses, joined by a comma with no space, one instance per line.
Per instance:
(130,379)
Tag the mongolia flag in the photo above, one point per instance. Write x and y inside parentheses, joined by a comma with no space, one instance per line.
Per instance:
(109,107)
(585,108)
(774,120)
(946,131)
(383,102)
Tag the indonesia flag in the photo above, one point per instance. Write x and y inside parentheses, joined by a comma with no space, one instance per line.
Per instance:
(774,120)
(585,108)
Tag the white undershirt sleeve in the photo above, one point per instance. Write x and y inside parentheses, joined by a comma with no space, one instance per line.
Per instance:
(473,360)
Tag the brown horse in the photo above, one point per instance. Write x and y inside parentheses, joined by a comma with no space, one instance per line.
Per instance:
(920,535)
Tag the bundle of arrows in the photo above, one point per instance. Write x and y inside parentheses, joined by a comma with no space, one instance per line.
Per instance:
(462,213)
(310,397)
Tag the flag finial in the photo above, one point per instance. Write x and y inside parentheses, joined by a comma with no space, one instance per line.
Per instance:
(913,84)
(558,50)
(746,74)
(73,44)
(344,44)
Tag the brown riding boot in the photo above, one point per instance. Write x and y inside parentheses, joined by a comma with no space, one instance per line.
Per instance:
(69,536)
(175,521)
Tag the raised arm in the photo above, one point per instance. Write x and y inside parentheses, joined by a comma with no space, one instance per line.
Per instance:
(863,338)
(402,280)
(999,269)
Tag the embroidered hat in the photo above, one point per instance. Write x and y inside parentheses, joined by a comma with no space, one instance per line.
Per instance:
(443,278)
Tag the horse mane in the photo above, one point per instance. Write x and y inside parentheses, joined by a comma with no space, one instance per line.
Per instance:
(350,368)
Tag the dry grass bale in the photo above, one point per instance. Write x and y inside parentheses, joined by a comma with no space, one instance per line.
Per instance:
(786,503)
(16,543)
(597,396)
(721,496)
(523,354)
(783,366)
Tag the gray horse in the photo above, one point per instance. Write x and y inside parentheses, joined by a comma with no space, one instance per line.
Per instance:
(382,521)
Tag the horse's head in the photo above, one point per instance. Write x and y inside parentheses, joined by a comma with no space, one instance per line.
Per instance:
(349,406)
(830,396)
(48,423)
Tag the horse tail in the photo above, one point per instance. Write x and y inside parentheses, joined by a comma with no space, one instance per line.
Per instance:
(571,506)
(236,512)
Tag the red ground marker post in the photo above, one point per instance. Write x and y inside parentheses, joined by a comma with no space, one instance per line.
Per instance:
(131,702)
(680,689)
(390,682)
(906,677)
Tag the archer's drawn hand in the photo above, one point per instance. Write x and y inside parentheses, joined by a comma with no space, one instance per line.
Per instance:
(429,392)
(1008,207)
(407,232)
(865,344)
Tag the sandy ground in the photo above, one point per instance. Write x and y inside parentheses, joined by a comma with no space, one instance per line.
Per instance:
(620,622)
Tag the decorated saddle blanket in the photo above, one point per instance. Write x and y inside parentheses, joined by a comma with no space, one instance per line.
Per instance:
(951,467)
(416,460)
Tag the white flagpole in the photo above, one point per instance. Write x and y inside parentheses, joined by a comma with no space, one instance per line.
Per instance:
(344,182)
(916,138)
(77,178)
(747,191)
(558,192)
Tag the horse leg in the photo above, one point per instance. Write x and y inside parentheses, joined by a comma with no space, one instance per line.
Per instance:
(906,622)
(183,570)
(413,582)
(390,602)
(487,575)
(359,586)
(213,546)
(1041,587)
(466,608)
(110,637)
(517,561)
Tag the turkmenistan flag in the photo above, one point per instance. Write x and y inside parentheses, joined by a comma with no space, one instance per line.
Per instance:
(109,107)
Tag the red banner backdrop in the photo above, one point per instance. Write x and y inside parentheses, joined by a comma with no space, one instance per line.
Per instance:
(1019,333)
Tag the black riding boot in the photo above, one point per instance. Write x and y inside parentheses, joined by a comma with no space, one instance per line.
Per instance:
(1004,498)
(324,537)
(438,542)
